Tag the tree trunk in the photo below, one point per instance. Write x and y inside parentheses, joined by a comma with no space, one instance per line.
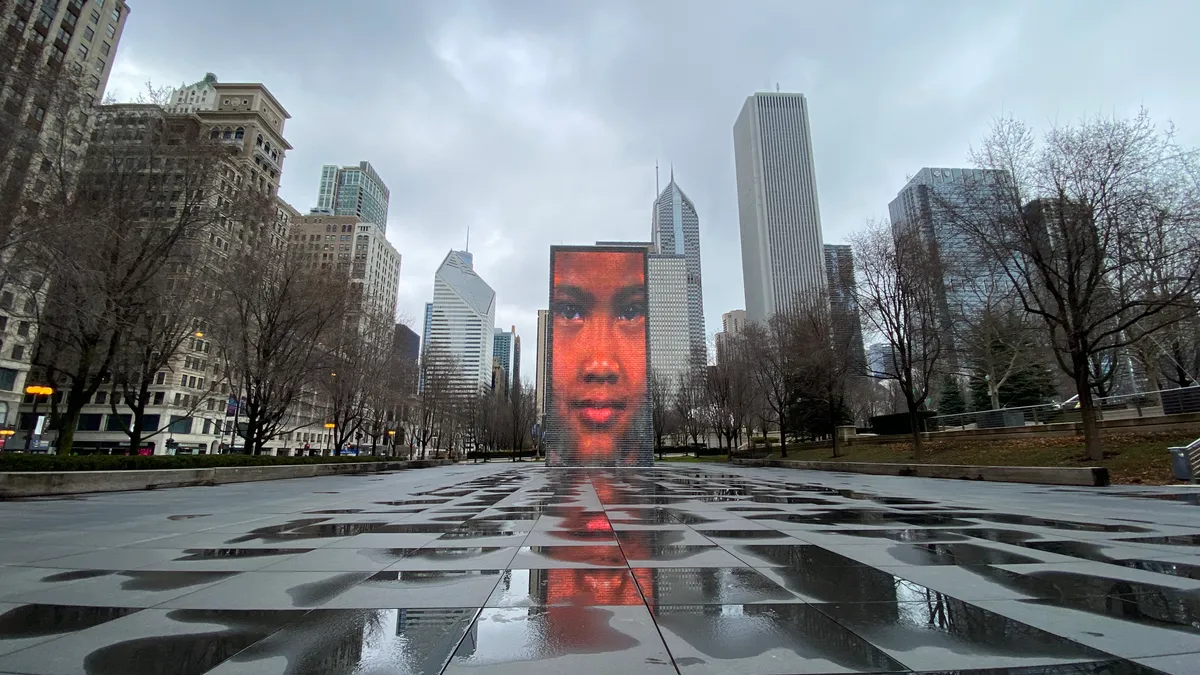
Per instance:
(994,394)
(782,437)
(915,426)
(833,424)
(1087,410)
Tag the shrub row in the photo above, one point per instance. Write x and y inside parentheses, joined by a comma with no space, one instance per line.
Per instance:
(23,462)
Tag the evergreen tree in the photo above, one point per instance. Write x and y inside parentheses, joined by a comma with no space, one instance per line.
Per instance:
(951,400)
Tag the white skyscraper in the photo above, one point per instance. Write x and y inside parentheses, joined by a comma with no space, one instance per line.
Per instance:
(667,318)
(462,321)
(782,252)
(676,231)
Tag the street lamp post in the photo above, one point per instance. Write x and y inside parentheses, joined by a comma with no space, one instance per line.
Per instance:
(391,442)
(35,391)
(329,427)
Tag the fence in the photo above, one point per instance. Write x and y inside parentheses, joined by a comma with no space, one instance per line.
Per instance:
(1142,404)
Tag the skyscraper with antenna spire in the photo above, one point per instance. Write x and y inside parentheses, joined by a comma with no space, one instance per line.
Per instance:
(675,231)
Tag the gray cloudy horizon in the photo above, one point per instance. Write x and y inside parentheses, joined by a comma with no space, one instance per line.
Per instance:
(538,122)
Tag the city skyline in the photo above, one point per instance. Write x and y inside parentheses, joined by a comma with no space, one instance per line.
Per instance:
(549,132)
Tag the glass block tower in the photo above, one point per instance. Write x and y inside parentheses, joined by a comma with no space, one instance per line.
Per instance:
(354,191)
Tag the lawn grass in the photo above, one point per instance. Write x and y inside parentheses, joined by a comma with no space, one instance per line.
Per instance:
(1130,458)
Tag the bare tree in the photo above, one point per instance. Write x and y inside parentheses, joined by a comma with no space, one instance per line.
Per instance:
(661,406)
(689,406)
(1096,226)
(522,411)
(279,315)
(828,358)
(897,293)
(143,209)
(729,393)
(774,363)
(173,315)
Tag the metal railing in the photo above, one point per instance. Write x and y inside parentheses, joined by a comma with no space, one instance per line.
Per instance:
(1141,404)
(1192,452)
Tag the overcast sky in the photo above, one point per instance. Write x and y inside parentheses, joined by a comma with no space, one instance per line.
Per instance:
(538,122)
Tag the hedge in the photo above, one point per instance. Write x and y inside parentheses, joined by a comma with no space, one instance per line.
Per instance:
(24,462)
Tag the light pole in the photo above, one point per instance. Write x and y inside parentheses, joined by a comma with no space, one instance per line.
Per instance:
(35,391)
(392,442)
(329,427)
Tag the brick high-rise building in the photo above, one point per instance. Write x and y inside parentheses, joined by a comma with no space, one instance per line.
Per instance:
(55,60)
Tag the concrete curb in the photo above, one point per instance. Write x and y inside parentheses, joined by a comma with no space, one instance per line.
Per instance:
(15,484)
(1091,476)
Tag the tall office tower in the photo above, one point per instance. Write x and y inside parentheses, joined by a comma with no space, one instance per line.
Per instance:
(44,132)
(879,360)
(929,204)
(462,324)
(777,203)
(675,230)
(427,325)
(843,311)
(356,249)
(667,319)
(406,343)
(542,368)
(733,323)
(516,359)
(502,354)
(354,191)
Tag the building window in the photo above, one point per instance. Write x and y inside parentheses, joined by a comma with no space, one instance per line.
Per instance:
(159,397)
(6,300)
(95,16)
(100,64)
(23,329)
(116,14)
(82,51)
(239,134)
(105,48)
(18,352)
(8,379)
(160,378)
(101,397)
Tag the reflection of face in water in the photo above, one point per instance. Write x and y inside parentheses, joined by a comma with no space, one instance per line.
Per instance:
(597,587)
(598,349)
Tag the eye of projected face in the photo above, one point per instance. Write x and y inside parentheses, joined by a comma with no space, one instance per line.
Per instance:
(571,311)
(632,311)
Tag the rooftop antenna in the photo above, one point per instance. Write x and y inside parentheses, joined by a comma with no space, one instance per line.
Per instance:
(777,87)
(468,249)
(672,172)
(656,178)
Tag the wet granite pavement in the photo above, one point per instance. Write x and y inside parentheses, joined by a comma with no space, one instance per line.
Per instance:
(677,569)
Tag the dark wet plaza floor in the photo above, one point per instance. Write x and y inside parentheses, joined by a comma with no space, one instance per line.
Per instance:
(688,569)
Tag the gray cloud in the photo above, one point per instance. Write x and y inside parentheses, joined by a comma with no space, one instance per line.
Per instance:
(537,122)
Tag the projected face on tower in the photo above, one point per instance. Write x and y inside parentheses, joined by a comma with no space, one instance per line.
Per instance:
(598,413)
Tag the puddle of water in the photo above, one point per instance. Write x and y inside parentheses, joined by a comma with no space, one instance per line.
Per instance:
(364,641)
(194,554)
(188,517)
(29,621)
(75,575)
(743,534)
(729,637)
(188,654)
(169,581)
(320,592)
